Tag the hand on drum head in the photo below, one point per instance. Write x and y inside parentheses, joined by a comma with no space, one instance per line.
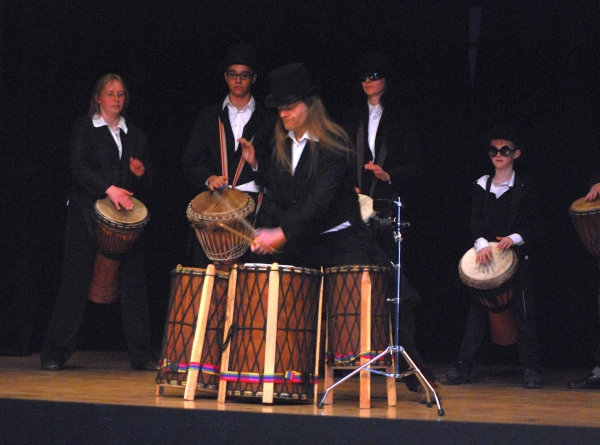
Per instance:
(484,255)
(120,197)
(248,152)
(137,167)
(504,242)
(215,182)
(268,240)
(593,193)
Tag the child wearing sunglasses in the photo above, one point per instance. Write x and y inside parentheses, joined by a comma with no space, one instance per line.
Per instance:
(503,211)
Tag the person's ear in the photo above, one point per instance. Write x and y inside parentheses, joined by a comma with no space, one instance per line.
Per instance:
(517,154)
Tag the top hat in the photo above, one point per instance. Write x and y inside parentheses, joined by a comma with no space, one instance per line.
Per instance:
(289,84)
(372,62)
(241,54)
(503,131)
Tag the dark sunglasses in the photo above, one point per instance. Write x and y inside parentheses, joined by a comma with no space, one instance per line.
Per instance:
(372,76)
(504,151)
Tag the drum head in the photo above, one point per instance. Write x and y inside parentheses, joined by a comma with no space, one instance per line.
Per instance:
(582,206)
(220,205)
(366,207)
(490,275)
(107,210)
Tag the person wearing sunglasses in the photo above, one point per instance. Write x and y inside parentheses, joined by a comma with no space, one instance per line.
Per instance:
(388,165)
(504,210)
(231,138)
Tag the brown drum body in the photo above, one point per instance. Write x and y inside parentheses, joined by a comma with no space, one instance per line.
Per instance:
(586,218)
(229,207)
(115,232)
(343,295)
(492,285)
(182,316)
(284,338)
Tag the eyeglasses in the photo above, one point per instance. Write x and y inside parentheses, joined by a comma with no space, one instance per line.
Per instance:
(504,151)
(372,76)
(113,95)
(244,75)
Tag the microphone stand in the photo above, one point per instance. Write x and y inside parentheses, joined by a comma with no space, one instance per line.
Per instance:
(395,349)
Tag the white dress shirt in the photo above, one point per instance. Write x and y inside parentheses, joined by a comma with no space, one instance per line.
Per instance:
(497,190)
(99,121)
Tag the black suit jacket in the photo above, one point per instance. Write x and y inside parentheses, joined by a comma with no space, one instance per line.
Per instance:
(523,215)
(310,202)
(202,157)
(95,163)
(403,158)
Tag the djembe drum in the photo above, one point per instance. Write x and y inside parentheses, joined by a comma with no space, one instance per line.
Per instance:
(345,299)
(115,231)
(210,211)
(273,317)
(492,285)
(188,288)
(586,218)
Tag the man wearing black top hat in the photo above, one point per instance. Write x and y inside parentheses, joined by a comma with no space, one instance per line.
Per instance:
(237,130)
(314,211)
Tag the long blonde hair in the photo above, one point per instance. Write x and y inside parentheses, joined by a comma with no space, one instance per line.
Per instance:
(330,135)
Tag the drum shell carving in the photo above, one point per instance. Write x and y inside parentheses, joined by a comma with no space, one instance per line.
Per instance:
(115,231)
(493,287)
(296,337)
(182,316)
(230,207)
(342,290)
(586,219)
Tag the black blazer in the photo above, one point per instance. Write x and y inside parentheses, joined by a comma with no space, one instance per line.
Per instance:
(403,159)
(522,217)
(202,157)
(95,163)
(309,203)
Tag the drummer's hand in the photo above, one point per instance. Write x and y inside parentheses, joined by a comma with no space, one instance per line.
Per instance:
(357,190)
(215,182)
(484,255)
(248,152)
(268,240)
(119,197)
(137,167)
(377,171)
(593,193)
(504,242)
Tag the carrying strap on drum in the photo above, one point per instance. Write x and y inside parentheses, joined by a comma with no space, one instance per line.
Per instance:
(360,155)
(238,172)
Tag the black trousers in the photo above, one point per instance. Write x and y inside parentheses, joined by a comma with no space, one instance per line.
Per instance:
(69,308)
(523,305)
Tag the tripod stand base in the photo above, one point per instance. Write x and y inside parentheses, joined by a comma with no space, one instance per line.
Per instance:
(430,392)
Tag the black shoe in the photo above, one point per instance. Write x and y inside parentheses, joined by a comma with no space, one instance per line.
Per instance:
(50,366)
(592,381)
(533,379)
(459,375)
(152,365)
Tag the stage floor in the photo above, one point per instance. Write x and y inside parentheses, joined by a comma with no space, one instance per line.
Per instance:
(496,397)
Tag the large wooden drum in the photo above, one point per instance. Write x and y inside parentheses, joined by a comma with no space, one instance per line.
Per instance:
(115,231)
(351,292)
(183,321)
(586,218)
(207,211)
(491,284)
(273,316)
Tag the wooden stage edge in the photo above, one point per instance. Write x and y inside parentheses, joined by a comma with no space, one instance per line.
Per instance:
(97,398)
